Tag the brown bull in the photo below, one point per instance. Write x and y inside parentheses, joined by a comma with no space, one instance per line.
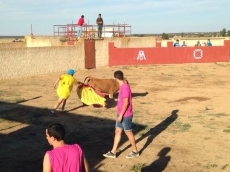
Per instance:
(106,86)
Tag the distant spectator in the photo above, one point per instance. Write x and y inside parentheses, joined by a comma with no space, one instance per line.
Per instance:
(80,22)
(209,43)
(184,44)
(176,44)
(99,22)
(198,44)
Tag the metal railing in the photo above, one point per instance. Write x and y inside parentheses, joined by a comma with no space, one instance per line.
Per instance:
(90,31)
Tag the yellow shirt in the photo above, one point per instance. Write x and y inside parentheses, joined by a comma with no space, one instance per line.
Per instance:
(65,86)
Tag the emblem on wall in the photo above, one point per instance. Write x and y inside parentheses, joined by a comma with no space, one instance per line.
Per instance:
(198,54)
(141,55)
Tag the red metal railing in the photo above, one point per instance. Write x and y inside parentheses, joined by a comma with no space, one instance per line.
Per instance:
(90,31)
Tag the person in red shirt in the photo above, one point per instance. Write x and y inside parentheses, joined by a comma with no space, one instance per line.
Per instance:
(80,22)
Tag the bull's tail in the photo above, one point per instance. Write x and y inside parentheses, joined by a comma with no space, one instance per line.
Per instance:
(87,79)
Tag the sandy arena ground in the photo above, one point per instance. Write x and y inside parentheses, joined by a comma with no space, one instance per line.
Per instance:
(181,120)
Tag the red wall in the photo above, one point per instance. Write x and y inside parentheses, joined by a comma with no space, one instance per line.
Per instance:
(168,55)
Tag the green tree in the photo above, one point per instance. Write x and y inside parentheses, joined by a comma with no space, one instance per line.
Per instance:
(223,32)
(200,35)
(165,36)
(182,34)
(228,33)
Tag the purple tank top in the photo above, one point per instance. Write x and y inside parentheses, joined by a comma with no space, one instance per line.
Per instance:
(67,158)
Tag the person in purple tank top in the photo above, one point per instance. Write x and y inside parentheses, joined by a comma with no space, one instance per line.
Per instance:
(124,117)
(63,157)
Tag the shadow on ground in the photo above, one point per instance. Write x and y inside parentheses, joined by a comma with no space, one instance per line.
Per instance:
(161,163)
(155,131)
(24,145)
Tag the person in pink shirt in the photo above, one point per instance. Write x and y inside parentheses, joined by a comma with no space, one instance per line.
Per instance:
(63,157)
(124,117)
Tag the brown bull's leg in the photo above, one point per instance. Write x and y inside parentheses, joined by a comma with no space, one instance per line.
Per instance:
(111,95)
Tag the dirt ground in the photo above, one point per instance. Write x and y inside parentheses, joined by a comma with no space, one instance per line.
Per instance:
(181,120)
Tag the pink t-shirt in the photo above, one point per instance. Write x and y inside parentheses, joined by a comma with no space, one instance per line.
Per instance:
(67,158)
(125,92)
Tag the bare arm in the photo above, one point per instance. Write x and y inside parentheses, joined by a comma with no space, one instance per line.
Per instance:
(46,164)
(85,165)
(55,84)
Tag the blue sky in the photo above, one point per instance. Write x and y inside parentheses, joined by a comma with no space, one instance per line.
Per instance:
(145,16)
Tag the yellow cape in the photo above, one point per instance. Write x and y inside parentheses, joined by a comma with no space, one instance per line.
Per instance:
(89,97)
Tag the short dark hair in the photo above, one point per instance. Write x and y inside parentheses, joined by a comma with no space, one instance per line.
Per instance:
(82,16)
(99,14)
(56,130)
(119,75)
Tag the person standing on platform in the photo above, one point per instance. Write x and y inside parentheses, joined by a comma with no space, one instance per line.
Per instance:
(99,26)
(80,22)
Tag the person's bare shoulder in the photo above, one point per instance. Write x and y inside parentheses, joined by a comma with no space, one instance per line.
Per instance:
(46,163)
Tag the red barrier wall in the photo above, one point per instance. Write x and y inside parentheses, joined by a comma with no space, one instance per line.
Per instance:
(168,55)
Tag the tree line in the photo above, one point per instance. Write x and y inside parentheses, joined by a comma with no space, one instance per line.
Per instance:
(222,33)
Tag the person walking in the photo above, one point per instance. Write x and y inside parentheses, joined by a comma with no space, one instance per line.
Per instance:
(80,22)
(64,157)
(99,26)
(124,117)
(65,85)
